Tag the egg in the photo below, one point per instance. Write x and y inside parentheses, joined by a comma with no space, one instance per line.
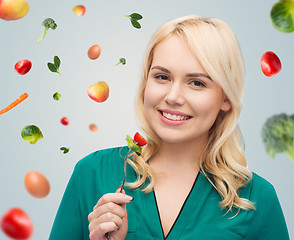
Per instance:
(94,52)
(37,184)
(93,127)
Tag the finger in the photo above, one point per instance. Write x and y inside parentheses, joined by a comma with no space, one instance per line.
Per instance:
(107,207)
(107,217)
(100,230)
(118,198)
(119,190)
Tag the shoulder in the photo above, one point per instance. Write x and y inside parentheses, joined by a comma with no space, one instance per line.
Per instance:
(261,193)
(105,159)
(258,190)
(260,187)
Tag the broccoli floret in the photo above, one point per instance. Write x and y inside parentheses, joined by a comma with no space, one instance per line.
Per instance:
(47,23)
(278,135)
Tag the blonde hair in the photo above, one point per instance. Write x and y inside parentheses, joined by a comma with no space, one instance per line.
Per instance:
(223,162)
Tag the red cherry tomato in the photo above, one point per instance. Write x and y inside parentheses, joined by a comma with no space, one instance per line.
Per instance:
(64,121)
(270,64)
(140,140)
(23,66)
(16,224)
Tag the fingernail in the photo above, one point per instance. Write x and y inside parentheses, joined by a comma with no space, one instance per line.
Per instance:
(129,198)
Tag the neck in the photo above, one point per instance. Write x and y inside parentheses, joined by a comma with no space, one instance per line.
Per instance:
(178,157)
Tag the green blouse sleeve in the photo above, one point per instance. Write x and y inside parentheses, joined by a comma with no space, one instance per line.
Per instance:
(67,223)
(274,224)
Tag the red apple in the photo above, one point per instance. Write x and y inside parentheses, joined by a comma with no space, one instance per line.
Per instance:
(270,64)
(79,10)
(99,91)
(13,9)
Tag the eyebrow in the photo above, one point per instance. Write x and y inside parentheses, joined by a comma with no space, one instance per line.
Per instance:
(188,75)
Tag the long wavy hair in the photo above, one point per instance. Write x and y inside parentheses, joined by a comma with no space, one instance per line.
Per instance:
(223,163)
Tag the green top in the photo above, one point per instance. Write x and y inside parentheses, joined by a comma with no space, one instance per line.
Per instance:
(200,217)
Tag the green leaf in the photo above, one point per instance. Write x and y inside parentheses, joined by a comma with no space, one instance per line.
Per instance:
(133,146)
(135,23)
(282,16)
(136,16)
(52,67)
(57,62)
(64,149)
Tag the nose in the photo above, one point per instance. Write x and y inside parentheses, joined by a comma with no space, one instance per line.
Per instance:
(175,95)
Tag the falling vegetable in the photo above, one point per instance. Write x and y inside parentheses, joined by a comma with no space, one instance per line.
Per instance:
(54,67)
(278,135)
(134,17)
(56,96)
(64,149)
(16,102)
(31,134)
(16,224)
(282,15)
(270,64)
(47,23)
(64,121)
(122,61)
(22,67)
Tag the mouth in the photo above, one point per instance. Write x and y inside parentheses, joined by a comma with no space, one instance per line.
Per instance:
(174,117)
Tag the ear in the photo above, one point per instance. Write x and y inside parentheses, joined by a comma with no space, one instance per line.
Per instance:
(226,106)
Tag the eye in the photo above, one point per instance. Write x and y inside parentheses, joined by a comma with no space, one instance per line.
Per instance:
(162,77)
(197,83)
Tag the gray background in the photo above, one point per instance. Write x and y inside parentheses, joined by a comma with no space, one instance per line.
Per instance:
(104,23)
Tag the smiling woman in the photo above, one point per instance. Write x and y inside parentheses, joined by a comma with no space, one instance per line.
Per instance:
(191,180)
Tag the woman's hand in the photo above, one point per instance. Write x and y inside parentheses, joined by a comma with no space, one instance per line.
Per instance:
(109,217)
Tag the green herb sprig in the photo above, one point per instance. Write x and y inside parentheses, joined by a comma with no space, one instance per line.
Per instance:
(134,17)
(54,67)
(122,61)
(64,149)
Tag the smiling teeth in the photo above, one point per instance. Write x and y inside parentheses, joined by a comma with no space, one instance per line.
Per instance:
(174,117)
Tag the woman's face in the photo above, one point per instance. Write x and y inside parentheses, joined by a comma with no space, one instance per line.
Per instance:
(181,102)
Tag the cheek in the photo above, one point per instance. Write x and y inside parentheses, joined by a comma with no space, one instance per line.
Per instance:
(151,95)
(207,105)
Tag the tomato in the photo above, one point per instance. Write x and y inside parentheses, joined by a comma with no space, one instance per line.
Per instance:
(140,140)
(64,121)
(270,64)
(23,66)
(16,224)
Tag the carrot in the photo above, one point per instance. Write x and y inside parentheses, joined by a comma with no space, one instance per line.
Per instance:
(16,102)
